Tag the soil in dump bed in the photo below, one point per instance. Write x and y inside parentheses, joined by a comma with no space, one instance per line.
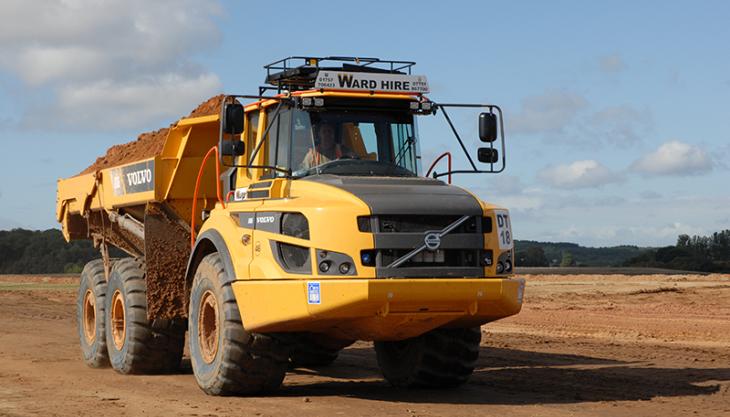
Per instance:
(148,144)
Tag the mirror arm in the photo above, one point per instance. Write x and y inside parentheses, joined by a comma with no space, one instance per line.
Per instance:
(453,129)
(491,107)
(465,171)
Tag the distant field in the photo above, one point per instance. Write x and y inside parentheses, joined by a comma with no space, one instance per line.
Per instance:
(600,270)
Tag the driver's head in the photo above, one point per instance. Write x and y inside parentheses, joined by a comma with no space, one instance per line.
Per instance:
(326,134)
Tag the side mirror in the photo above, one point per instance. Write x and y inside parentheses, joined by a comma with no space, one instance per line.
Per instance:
(487,127)
(233,148)
(232,118)
(488,155)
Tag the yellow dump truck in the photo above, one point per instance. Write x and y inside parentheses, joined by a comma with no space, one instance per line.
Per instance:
(278,231)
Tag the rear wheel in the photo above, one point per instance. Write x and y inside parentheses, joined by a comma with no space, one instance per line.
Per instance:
(227,359)
(90,315)
(136,346)
(440,358)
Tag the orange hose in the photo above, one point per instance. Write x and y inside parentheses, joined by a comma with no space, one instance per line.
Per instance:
(436,162)
(197,186)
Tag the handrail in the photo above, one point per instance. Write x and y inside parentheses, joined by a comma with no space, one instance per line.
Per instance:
(437,161)
(197,186)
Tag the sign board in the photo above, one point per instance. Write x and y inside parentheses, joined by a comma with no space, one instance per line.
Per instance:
(134,178)
(365,81)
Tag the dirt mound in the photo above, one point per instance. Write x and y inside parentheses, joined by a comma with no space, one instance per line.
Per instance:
(208,107)
(148,144)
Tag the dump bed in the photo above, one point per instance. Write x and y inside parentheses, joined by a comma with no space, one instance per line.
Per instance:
(167,178)
(144,207)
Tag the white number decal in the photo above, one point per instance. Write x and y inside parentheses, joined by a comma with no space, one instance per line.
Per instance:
(504,229)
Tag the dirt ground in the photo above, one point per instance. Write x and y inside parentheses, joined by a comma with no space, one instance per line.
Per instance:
(585,345)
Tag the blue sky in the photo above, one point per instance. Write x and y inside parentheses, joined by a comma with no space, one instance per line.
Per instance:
(617,125)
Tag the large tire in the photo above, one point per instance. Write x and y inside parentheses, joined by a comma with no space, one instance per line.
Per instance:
(314,350)
(226,359)
(90,315)
(136,346)
(441,358)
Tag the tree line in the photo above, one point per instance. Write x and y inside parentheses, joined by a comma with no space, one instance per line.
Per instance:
(46,252)
(690,253)
(42,252)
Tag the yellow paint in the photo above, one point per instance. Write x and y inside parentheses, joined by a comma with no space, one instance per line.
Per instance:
(375,309)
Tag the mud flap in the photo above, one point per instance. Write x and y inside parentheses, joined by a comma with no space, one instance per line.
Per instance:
(167,249)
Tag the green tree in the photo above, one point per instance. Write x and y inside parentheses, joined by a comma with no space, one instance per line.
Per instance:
(567,259)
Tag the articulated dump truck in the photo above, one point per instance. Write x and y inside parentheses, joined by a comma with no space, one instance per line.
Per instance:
(287,225)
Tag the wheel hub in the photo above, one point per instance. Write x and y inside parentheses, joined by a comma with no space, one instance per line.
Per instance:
(89,317)
(118,321)
(208,327)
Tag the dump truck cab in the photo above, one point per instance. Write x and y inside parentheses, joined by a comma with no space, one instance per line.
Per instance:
(332,227)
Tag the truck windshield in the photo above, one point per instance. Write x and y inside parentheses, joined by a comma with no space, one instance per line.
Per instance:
(353,143)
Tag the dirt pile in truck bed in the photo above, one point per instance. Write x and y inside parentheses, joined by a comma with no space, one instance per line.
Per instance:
(148,144)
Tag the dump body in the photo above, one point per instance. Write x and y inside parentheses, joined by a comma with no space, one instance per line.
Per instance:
(156,195)
(145,208)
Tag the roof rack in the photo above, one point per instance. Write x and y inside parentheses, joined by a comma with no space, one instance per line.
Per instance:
(299,72)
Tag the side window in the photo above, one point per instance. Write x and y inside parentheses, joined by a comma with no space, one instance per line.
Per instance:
(279,141)
(253,128)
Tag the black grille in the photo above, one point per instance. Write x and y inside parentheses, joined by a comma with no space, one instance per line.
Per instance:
(397,235)
(451,257)
(420,224)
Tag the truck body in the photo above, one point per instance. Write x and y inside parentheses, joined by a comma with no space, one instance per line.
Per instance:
(360,247)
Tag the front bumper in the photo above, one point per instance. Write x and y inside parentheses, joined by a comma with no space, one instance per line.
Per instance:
(375,309)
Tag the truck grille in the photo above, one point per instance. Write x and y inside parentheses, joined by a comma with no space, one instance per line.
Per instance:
(458,254)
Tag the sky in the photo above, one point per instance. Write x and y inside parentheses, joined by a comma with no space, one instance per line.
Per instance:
(616,117)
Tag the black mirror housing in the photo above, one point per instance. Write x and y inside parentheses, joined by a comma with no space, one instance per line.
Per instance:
(233,118)
(487,127)
(488,155)
(233,148)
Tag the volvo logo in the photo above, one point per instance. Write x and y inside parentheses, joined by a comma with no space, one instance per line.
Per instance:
(432,240)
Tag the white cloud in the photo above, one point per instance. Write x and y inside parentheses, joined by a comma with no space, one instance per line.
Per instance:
(674,158)
(620,125)
(550,112)
(97,55)
(611,63)
(578,174)
(134,103)
(567,117)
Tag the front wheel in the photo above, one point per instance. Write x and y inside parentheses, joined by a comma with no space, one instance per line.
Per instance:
(226,359)
(441,358)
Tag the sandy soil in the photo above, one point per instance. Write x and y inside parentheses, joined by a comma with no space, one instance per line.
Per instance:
(584,345)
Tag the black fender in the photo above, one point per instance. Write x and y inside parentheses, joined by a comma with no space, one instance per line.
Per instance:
(206,243)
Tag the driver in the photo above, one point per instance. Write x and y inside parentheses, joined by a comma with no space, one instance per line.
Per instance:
(327,148)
